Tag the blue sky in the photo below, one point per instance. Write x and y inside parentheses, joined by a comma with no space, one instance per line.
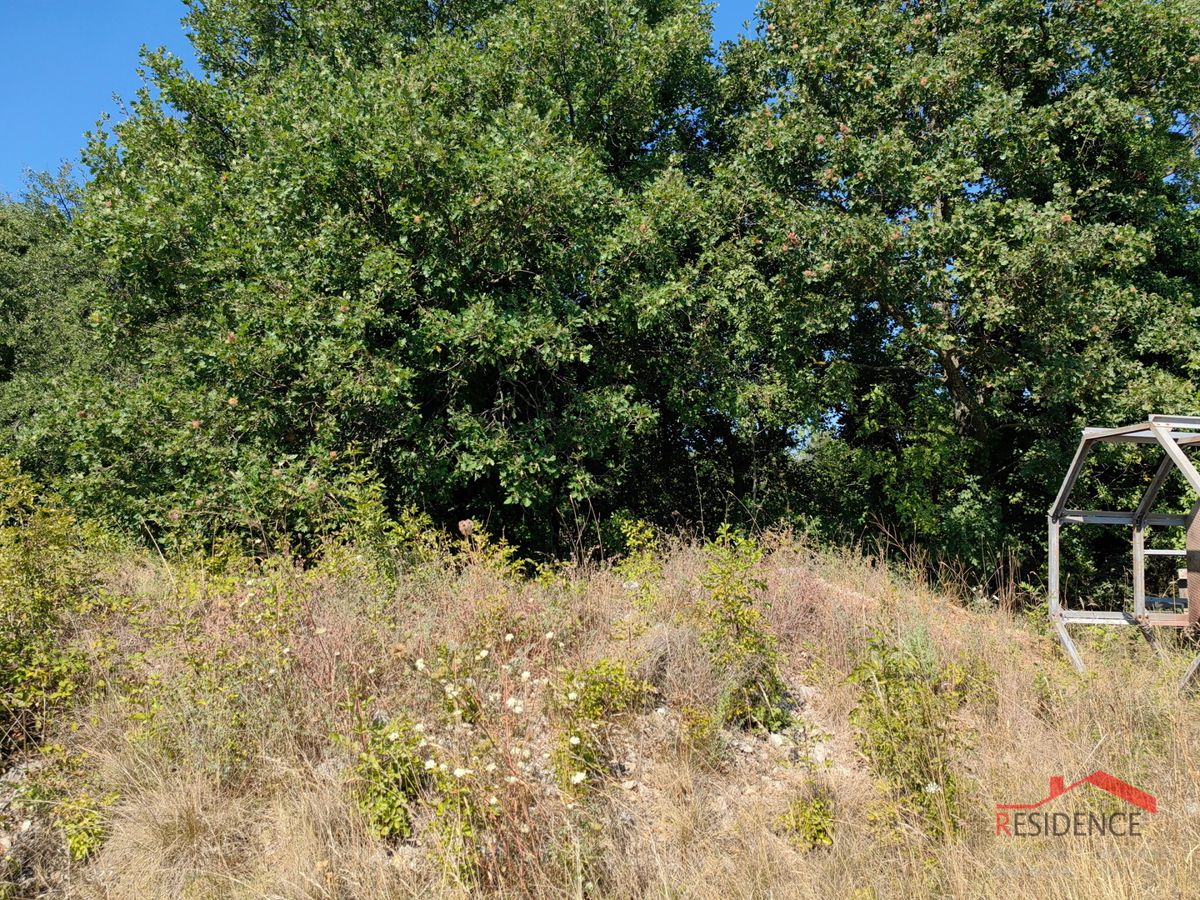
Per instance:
(61,62)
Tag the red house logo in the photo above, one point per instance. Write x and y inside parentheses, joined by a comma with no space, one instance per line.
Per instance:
(1024,822)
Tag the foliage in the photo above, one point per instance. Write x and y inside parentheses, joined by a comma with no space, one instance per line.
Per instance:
(399,252)
(735,632)
(906,727)
(39,669)
(390,775)
(587,702)
(973,233)
(537,263)
(67,792)
(808,820)
(46,283)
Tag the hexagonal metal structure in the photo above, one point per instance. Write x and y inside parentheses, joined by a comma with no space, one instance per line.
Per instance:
(1172,434)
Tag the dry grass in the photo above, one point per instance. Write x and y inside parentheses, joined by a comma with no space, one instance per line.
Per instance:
(226,686)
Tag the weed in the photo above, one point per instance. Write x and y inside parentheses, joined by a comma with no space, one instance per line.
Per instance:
(906,730)
(808,820)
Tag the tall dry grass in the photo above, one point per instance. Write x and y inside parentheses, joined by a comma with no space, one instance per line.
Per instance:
(231,703)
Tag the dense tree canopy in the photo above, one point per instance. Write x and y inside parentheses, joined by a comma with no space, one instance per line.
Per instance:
(535,262)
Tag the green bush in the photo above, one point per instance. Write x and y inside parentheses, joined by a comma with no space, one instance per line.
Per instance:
(736,634)
(389,776)
(906,730)
(38,674)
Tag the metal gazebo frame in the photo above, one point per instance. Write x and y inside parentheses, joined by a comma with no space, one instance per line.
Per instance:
(1172,434)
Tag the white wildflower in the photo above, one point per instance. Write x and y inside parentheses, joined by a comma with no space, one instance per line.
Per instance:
(933,788)
(418,728)
(572,696)
(420,664)
(462,773)
(482,654)
(394,736)
(508,637)
(430,765)
(510,702)
(493,801)
(549,635)
(490,767)
(574,740)
(578,777)
(524,676)
(518,709)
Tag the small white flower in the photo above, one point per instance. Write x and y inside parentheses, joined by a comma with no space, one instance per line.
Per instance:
(394,736)
(418,728)
(420,664)
(574,740)
(287,649)
(523,828)
(430,765)
(578,777)
(631,585)
(371,671)
(490,767)
(461,773)
(511,779)
(933,788)
(443,767)
(518,709)
(506,668)
(421,743)
(524,676)
(508,637)
(482,654)
(510,702)
(525,753)
(493,801)
(549,635)
(572,696)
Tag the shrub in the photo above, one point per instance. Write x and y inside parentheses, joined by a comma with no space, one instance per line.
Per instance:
(904,715)
(735,632)
(38,674)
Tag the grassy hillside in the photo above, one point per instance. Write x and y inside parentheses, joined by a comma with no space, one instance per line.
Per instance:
(735,719)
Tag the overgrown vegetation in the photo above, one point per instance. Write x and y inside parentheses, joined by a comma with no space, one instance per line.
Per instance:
(428,717)
(552,267)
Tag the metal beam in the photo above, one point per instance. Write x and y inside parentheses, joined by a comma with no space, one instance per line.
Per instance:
(1068,484)
(1185,421)
(1115,517)
(1178,456)
(1161,474)
(1068,646)
(1053,582)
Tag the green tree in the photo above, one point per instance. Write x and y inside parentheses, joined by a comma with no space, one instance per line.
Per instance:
(975,224)
(386,239)
(45,281)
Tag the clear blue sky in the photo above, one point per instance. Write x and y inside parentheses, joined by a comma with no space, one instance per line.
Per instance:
(61,62)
